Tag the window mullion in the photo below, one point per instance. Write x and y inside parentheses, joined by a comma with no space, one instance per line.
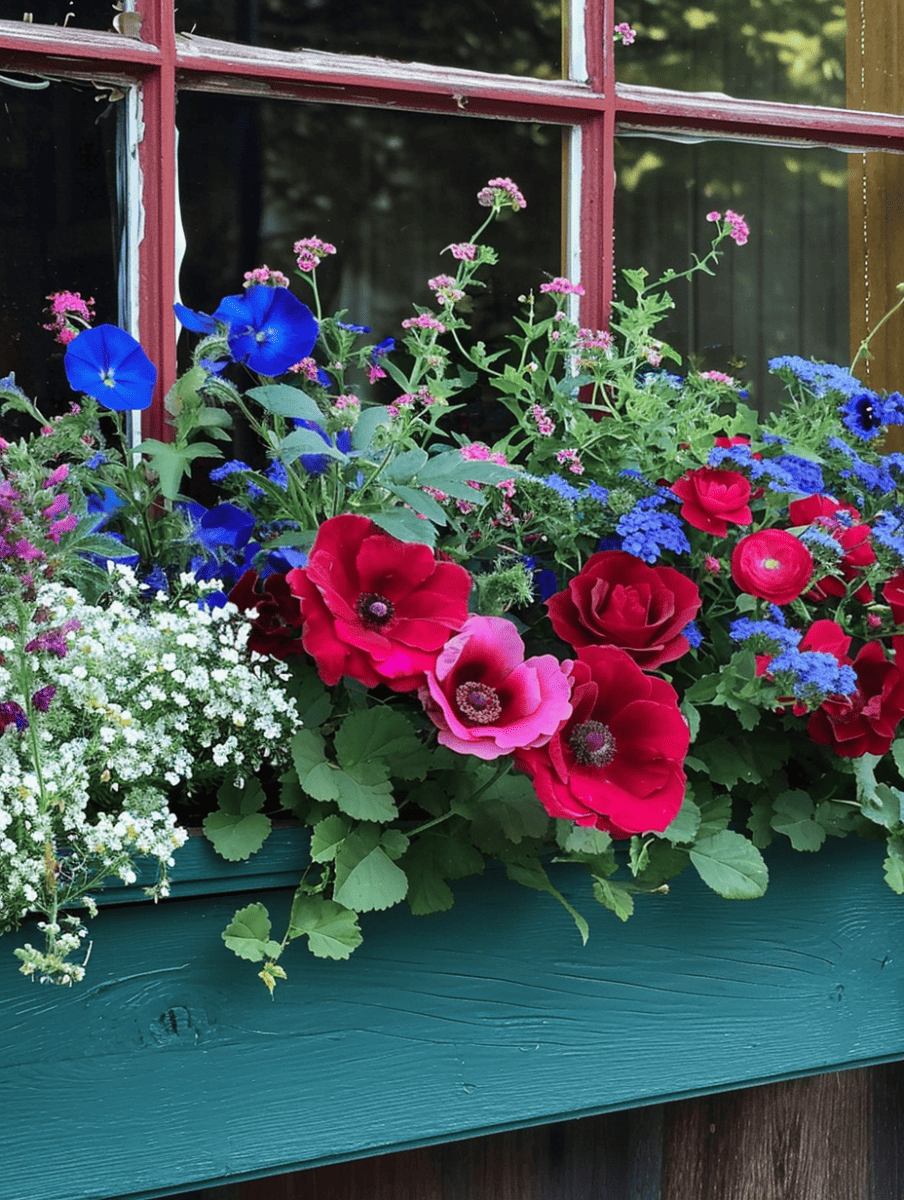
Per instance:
(157,245)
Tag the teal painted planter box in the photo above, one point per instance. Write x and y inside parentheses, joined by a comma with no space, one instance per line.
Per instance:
(170,1068)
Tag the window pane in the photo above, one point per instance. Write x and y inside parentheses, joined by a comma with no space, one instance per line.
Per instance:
(784,292)
(517,37)
(75,14)
(59,225)
(390,190)
(789,50)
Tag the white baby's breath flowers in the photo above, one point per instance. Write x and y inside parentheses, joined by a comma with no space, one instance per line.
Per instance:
(154,698)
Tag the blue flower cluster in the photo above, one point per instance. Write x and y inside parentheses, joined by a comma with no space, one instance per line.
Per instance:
(770,635)
(820,378)
(811,675)
(888,531)
(647,530)
(877,477)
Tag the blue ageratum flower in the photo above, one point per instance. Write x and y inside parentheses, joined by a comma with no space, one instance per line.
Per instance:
(646,530)
(107,363)
(268,329)
(820,378)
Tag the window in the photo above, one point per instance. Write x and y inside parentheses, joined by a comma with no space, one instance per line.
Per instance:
(185,146)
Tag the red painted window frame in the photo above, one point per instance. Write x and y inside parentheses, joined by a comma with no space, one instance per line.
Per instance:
(597,106)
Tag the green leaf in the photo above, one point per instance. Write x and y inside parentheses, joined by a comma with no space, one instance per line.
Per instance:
(332,930)
(365,793)
(405,525)
(582,839)
(370,420)
(685,826)
(794,817)
(530,873)
(248,934)
(731,865)
(894,865)
(327,836)
(382,733)
(421,502)
(237,828)
(307,752)
(307,441)
(312,700)
(615,897)
(288,401)
(366,877)
(404,467)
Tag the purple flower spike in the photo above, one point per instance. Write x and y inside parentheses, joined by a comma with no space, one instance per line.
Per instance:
(108,364)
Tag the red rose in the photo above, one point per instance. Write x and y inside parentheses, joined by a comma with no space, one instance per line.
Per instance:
(772,564)
(712,497)
(617,762)
(617,600)
(375,608)
(276,625)
(865,722)
(893,594)
(843,523)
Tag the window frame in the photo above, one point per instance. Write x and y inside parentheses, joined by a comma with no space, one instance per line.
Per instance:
(590,105)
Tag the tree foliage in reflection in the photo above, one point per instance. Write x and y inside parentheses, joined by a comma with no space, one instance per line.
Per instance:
(516,37)
(788,50)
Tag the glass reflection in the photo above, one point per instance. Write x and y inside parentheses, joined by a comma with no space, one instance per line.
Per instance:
(785,292)
(389,190)
(59,224)
(74,14)
(517,38)
(787,50)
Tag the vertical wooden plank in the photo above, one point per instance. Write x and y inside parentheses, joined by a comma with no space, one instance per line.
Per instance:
(807,1139)
(887,1143)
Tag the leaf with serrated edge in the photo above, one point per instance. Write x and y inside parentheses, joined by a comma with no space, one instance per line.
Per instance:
(614,897)
(366,878)
(248,934)
(731,865)
(326,838)
(236,836)
(332,930)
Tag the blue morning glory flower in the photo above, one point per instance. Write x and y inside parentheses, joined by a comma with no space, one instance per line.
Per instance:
(269,329)
(353,328)
(107,363)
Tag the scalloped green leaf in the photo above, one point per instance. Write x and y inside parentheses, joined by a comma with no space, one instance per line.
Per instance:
(366,877)
(236,836)
(248,934)
(405,525)
(327,836)
(331,929)
(287,401)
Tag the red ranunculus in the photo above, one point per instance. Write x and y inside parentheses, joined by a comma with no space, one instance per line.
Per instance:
(618,600)
(487,699)
(865,722)
(711,497)
(375,608)
(617,763)
(276,624)
(843,523)
(772,564)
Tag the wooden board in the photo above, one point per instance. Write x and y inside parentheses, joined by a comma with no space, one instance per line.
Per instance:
(170,1068)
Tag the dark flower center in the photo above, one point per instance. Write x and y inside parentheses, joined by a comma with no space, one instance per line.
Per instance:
(593,744)
(375,610)
(478,702)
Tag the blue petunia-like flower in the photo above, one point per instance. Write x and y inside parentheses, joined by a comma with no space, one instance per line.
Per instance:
(268,329)
(107,363)
(866,413)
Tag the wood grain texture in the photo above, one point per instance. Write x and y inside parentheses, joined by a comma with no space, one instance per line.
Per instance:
(488,1018)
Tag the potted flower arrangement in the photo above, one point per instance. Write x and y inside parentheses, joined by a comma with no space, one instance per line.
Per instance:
(632,626)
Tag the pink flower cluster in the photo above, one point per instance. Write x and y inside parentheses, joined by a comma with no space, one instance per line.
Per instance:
(624,33)
(307,367)
(562,287)
(70,315)
(546,427)
(266,277)
(309,252)
(719,377)
(463,251)
(424,321)
(739,230)
(501,192)
(590,339)
(446,289)
(572,459)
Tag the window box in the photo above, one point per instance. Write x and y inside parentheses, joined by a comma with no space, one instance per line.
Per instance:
(488,1017)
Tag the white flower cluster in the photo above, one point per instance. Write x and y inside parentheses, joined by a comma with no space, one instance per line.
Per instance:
(154,698)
